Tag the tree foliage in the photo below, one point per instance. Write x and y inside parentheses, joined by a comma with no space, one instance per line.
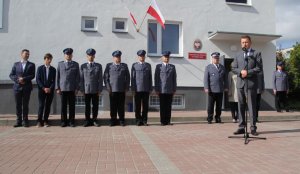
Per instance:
(293,68)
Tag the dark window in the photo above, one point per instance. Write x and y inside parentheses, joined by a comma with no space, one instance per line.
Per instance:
(237,1)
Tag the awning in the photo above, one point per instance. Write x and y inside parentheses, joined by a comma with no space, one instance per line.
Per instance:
(233,36)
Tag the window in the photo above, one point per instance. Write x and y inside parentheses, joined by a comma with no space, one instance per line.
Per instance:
(177,103)
(120,25)
(160,40)
(89,23)
(1,13)
(239,2)
(79,101)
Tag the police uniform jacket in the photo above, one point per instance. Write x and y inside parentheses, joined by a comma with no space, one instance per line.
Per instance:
(68,76)
(254,66)
(165,78)
(280,81)
(215,79)
(141,77)
(91,79)
(28,74)
(117,77)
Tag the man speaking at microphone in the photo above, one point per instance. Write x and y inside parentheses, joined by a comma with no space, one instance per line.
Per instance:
(247,64)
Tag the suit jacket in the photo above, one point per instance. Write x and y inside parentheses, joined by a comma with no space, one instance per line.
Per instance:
(165,78)
(28,74)
(215,79)
(254,66)
(91,80)
(280,81)
(68,76)
(44,82)
(141,77)
(117,77)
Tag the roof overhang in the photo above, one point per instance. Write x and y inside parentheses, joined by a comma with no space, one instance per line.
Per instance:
(234,36)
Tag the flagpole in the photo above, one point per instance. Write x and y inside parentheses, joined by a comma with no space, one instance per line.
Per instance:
(138,29)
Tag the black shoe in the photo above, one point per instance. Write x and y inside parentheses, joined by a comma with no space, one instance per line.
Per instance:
(72,125)
(145,123)
(287,110)
(239,131)
(17,125)
(96,123)
(122,123)
(278,110)
(63,124)
(112,124)
(162,124)
(86,124)
(254,133)
(25,124)
(218,120)
(139,123)
(170,124)
(209,122)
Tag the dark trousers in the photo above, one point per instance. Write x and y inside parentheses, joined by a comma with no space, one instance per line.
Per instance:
(165,108)
(281,100)
(117,106)
(68,98)
(258,99)
(45,101)
(95,105)
(214,99)
(234,110)
(22,101)
(141,100)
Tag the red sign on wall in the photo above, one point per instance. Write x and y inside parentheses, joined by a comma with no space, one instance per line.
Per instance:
(197,56)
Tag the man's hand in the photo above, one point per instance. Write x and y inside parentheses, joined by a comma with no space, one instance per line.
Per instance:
(21,80)
(244,73)
(47,90)
(58,91)
(274,91)
(206,90)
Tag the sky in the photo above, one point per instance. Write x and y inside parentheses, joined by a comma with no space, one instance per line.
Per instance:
(287,22)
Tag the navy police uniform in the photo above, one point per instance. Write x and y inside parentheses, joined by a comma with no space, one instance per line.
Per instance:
(141,85)
(281,88)
(117,80)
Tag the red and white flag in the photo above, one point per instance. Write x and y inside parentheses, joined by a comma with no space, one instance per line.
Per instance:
(154,11)
(132,18)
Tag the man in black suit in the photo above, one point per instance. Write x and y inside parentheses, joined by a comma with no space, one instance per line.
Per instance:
(45,79)
(22,73)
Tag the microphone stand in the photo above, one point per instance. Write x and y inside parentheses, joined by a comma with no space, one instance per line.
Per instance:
(246,134)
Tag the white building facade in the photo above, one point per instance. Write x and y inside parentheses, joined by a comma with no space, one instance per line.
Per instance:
(44,26)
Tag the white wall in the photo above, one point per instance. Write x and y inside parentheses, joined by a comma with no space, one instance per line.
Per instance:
(50,26)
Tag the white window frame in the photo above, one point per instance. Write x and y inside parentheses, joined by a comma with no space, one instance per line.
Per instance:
(84,18)
(1,14)
(249,3)
(114,29)
(82,104)
(159,39)
(173,106)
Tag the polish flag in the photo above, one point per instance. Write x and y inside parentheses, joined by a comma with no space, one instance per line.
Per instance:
(154,11)
(132,18)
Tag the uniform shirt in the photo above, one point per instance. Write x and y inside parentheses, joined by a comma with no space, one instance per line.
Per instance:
(280,81)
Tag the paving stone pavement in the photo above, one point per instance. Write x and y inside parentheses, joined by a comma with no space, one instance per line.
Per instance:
(181,148)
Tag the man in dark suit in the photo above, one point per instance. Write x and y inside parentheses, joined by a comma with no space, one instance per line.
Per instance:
(215,82)
(247,64)
(165,78)
(45,79)
(141,86)
(260,91)
(117,80)
(280,87)
(67,85)
(22,74)
(91,85)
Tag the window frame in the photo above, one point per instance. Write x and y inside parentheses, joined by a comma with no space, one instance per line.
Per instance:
(173,106)
(249,3)
(115,30)
(83,103)
(84,18)
(159,39)
(1,13)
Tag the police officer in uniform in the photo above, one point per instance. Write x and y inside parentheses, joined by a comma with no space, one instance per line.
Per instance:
(165,78)
(215,82)
(67,85)
(91,85)
(141,85)
(280,87)
(117,80)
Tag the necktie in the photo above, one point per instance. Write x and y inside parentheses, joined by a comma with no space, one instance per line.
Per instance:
(218,66)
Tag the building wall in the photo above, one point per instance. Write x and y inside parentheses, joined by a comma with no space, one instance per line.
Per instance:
(50,26)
